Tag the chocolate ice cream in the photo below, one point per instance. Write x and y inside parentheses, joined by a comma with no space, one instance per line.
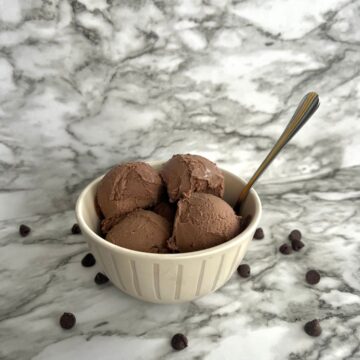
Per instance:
(185,174)
(202,221)
(107,224)
(128,187)
(141,230)
(166,210)
(195,187)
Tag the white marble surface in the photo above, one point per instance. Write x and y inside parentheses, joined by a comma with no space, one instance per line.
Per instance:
(87,84)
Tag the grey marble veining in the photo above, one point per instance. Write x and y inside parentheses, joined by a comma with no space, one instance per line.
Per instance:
(87,84)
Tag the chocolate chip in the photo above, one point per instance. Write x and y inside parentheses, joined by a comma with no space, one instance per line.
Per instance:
(259,234)
(179,342)
(312,277)
(88,260)
(24,230)
(67,320)
(244,270)
(297,245)
(295,235)
(101,278)
(313,328)
(285,249)
(76,229)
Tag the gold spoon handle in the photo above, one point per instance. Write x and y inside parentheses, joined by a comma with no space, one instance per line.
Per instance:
(307,107)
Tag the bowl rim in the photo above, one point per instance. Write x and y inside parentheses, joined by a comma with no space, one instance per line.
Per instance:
(200,253)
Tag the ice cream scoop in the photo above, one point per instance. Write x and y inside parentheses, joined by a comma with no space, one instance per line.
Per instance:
(202,221)
(185,174)
(128,187)
(141,230)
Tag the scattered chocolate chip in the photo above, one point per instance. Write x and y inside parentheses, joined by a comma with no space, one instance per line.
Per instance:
(285,249)
(76,229)
(313,328)
(259,234)
(88,260)
(67,320)
(244,270)
(295,235)
(24,230)
(101,278)
(179,342)
(312,277)
(297,245)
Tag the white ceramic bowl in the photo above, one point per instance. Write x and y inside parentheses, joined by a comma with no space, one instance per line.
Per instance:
(169,278)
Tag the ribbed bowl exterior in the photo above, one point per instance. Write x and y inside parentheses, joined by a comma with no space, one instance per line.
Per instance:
(168,278)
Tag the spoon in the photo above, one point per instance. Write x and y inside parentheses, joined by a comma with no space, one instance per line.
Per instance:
(307,107)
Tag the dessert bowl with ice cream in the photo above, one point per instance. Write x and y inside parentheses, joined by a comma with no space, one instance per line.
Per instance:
(167,232)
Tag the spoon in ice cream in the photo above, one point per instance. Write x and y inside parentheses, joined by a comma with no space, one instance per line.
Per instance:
(307,107)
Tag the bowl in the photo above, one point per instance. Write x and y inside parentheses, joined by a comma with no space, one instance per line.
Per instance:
(169,278)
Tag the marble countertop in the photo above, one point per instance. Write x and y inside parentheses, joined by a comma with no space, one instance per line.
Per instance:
(88,84)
